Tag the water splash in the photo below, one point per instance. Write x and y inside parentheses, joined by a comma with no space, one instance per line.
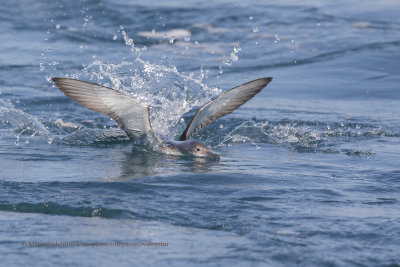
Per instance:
(23,125)
(266,132)
(302,136)
(305,136)
(167,91)
(234,55)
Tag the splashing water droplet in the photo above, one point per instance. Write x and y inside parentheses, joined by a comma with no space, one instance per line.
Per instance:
(168,92)
(277,39)
(128,41)
(233,57)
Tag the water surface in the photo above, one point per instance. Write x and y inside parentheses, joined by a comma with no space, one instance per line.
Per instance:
(309,171)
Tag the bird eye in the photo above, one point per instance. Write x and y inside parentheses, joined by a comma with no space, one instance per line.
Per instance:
(198,149)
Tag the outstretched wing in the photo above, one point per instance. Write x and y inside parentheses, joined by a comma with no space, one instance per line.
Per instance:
(131,115)
(224,104)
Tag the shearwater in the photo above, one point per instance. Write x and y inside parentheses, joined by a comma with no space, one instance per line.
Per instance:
(133,116)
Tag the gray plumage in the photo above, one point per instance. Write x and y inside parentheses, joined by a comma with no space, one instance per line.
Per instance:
(223,105)
(133,116)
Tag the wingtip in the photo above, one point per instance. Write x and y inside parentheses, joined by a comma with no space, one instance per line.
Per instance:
(261,81)
(60,79)
(56,79)
(266,81)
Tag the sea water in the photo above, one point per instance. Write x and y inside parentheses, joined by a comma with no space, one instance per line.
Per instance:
(309,171)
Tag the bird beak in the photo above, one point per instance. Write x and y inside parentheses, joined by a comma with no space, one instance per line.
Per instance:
(213,156)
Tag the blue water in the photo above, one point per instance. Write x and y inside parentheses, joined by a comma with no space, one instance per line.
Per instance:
(309,171)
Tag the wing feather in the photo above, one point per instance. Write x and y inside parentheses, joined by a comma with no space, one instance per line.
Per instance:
(131,115)
(224,104)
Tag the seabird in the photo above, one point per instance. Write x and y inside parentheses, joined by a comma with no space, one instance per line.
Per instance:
(133,116)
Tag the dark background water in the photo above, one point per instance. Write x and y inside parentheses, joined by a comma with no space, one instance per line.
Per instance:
(309,171)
